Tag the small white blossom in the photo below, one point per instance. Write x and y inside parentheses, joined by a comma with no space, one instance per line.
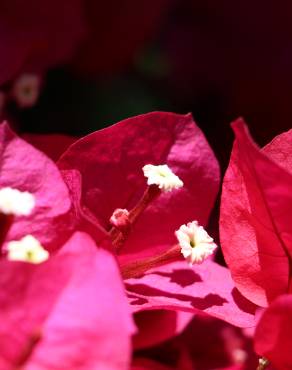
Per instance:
(196,245)
(15,202)
(27,249)
(162,176)
(26,90)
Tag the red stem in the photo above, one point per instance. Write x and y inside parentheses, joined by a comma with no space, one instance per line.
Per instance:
(138,268)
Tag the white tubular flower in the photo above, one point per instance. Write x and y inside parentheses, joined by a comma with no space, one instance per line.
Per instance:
(27,249)
(15,202)
(196,245)
(26,90)
(162,176)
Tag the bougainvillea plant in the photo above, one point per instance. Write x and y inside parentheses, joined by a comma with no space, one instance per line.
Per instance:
(68,312)
(142,189)
(104,172)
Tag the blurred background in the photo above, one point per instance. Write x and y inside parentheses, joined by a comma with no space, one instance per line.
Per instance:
(75,66)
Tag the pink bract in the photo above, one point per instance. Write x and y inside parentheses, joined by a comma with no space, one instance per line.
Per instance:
(110,163)
(205,288)
(273,334)
(27,169)
(69,312)
(104,172)
(256,209)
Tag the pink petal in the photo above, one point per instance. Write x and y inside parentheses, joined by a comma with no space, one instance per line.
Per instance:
(75,302)
(255,217)
(205,288)
(26,169)
(110,162)
(273,338)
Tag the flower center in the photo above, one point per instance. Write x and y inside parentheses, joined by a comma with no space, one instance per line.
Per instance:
(191,237)
(192,243)
(196,245)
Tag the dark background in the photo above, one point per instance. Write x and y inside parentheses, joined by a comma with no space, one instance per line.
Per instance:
(216,59)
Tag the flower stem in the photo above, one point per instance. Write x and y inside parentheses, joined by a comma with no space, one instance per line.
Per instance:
(119,236)
(150,194)
(138,268)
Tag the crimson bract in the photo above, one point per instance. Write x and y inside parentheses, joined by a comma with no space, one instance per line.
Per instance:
(104,173)
(60,307)
(255,217)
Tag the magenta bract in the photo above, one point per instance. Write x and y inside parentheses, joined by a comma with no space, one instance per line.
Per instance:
(69,312)
(27,169)
(273,334)
(104,172)
(207,287)
(256,208)
(110,162)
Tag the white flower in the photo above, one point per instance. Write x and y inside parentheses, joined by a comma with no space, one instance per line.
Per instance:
(196,245)
(15,202)
(162,176)
(27,249)
(26,90)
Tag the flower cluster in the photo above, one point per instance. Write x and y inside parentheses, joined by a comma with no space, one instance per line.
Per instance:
(109,210)
(109,243)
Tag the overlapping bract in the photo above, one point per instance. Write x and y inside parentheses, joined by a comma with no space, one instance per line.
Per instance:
(27,169)
(255,217)
(104,172)
(69,312)
(273,334)
(110,163)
